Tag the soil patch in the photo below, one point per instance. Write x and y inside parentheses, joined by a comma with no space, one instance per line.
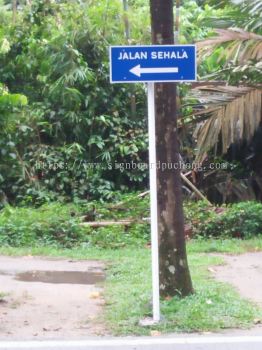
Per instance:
(50,298)
(244,272)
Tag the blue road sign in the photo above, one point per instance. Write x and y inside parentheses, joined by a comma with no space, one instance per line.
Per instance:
(161,63)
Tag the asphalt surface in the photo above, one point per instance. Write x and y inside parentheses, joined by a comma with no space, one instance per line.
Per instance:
(159,343)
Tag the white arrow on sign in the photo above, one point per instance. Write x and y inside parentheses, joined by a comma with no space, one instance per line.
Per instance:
(137,70)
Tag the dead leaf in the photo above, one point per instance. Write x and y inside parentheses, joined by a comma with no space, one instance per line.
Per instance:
(257,321)
(94,295)
(210,269)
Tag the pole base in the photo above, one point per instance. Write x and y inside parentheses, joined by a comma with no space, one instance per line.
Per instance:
(148,322)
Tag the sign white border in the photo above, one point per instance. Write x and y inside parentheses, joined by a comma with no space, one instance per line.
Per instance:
(151,81)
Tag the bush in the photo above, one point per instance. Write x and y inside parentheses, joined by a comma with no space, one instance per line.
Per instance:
(53,224)
(77,131)
(240,220)
(57,224)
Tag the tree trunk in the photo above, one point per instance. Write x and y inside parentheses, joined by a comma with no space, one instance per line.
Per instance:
(174,272)
(14,8)
(126,20)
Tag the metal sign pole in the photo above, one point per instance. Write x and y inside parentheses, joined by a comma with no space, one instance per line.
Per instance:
(151,64)
(153,200)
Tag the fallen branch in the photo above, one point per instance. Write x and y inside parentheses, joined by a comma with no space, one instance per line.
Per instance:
(143,194)
(193,187)
(126,222)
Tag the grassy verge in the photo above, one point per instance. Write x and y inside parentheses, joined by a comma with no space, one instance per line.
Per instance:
(213,307)
(200,245)
(225,245)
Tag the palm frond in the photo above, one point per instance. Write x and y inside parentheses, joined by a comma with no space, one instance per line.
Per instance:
(230,112)
(240,44)
(249,73)
(246,14)
(225,35)
(253,7)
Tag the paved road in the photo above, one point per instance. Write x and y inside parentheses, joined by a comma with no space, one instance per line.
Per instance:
(188,343)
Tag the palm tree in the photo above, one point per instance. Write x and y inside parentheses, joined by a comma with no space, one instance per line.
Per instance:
(228,112)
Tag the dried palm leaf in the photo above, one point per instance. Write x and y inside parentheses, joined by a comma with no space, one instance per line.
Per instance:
(225,35)
(244,45)
(230,112)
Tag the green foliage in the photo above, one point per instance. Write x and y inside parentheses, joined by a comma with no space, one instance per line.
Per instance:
(49,225)
(237,13)
(58,58)
(240,220)
(69,134)
(191,18)
(57,224)
(237,58)
(198,212)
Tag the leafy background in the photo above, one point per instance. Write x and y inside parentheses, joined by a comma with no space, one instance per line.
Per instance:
(59,113)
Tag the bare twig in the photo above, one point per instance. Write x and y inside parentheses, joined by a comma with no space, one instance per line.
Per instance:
(193,187)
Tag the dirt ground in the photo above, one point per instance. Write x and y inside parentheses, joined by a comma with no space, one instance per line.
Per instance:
(50,305)
(244,272)
(63,299)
